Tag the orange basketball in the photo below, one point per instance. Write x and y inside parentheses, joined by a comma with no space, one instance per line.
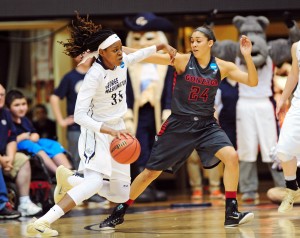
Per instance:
(125,150)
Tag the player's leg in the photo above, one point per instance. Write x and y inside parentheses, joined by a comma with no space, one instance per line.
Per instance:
(289,166)
(163,156)
(90,185)
(288,146)
(117,188)
(140,183)
(231,176)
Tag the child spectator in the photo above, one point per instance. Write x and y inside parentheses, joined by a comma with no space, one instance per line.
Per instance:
(28,139)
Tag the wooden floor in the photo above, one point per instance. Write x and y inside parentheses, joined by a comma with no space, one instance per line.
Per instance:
(166,221)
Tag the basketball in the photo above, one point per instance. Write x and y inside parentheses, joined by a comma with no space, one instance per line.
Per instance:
(125,150)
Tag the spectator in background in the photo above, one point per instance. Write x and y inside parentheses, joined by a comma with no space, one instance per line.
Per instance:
(51,151)
(15,165)
(68,88)
(257,130)
(44,126)
(195,179)
(6,211)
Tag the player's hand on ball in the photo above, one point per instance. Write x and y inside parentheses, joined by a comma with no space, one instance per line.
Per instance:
(119,133)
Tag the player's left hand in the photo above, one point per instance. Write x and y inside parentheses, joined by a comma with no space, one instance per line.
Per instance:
(245,45)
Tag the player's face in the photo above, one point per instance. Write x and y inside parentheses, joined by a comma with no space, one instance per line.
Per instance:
(19,108)
(200,44)
(112,56)
(2,96)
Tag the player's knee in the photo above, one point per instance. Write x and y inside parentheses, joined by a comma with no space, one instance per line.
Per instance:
(85,190)
(284,157)
(232,159)
(119,191)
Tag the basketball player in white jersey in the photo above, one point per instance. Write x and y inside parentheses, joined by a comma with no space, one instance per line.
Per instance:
(100,106)
(288,148)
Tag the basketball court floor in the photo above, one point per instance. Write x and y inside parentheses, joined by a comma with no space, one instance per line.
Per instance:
(175,218)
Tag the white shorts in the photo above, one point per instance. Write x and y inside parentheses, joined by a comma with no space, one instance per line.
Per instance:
(289,137)
(256,126)
(94,153)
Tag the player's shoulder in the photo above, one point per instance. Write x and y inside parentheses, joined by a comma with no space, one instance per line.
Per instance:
(223,63)
(181,61)
(96,71)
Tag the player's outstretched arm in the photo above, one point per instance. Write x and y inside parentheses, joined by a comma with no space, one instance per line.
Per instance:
(164,59)
(230,70)
(246,49)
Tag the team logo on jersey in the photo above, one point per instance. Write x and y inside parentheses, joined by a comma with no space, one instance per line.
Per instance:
(4,122)
(122,64)
(77,86)
(213,66)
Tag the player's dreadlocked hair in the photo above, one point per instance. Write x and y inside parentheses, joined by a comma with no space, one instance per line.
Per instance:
(85,35)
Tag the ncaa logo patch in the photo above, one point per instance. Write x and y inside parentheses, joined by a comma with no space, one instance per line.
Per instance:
(213,66)
(4,122)
(122,64)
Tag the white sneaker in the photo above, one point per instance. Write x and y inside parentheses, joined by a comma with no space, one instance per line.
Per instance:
(288,201)
(29,209)
(62,184)
(37,228)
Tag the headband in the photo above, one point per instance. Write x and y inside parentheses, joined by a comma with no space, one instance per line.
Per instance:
(105,44)
(207,32)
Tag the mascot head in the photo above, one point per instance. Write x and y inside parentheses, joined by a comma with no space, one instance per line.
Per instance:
(147,29)
(254,27)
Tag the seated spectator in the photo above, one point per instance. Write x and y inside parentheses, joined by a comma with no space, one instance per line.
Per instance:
(6,211)
(52,153)
(15,165)
(44,126)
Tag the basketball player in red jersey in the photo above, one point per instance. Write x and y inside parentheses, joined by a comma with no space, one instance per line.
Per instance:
(192,124)
(100,107)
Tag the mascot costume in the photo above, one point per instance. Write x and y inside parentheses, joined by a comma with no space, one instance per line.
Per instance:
(257,127)
(149,92)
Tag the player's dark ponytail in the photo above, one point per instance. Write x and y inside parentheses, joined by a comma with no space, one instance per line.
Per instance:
(85,36)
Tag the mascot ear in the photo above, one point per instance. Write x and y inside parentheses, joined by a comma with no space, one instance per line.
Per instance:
(263,21)
(238,21)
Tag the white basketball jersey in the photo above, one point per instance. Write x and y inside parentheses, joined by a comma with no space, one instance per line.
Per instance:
(297,91)
(102,96)
(265,78)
